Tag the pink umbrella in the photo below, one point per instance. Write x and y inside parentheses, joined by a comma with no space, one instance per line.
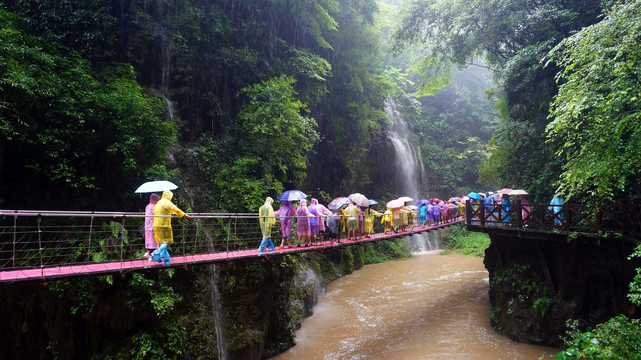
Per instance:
(505,191)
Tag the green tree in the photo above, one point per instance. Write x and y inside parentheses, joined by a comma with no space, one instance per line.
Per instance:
(596,115)
(513,36)
(73,137)
(274,142)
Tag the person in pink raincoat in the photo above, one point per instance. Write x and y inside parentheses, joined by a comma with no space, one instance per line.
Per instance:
(286,212)
(323,212)
(302,220)
(525,209)
(150,240)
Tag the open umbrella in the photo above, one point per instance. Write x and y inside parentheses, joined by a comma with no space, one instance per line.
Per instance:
(372,202)
(421,202)
(359,199)
(292,195)
(434,200)
(338,203)
(518,192)
(395,204)
(153,186)
(504,191)
(413,207)
(405,199)
(454,199)
(474,195)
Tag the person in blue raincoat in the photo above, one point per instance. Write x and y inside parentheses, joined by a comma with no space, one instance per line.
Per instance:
(505,204)
(266,220)
(490,209)
(557,209)
(422,211)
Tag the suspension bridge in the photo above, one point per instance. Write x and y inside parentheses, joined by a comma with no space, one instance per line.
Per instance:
(40,245)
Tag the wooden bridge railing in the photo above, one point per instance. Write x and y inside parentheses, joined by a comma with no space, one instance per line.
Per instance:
(615,218)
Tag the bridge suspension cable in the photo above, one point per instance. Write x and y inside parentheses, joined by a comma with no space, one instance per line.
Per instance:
(36,244)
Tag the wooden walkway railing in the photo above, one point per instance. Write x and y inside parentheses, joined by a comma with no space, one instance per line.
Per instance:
(616,218)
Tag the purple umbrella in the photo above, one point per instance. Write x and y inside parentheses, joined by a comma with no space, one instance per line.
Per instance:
(292,195)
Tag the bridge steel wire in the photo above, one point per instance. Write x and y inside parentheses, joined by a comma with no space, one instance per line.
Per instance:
(48,244)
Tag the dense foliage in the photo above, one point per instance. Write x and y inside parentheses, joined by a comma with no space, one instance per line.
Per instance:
(513,36)
(66,126)
(196,59)
(596,116)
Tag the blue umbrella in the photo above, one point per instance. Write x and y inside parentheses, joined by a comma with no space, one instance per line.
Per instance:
(421,202)
(474,195)
(372,202)
(292,195)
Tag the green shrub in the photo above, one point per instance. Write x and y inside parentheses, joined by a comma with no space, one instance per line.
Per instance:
(619,338)
(460,241)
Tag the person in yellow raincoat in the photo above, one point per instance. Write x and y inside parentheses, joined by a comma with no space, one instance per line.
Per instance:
(396,218)
(352,221)
(343,223)
(387,220)
(162,227)
(266,220)
(368,221)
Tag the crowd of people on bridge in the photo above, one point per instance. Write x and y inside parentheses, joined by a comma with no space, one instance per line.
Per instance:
(352,217)
(318,224)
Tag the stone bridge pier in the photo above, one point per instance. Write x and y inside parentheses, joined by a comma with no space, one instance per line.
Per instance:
(541,279)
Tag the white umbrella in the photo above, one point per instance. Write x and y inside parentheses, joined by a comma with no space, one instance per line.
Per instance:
(359,199)
(395,204)
(518,192)
(153,186)
(405,199)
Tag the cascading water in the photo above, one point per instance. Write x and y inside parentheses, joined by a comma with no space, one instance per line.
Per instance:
(408,167)
(409,171)
(217,310)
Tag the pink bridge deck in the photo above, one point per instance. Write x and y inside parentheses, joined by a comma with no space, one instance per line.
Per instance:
(181,261)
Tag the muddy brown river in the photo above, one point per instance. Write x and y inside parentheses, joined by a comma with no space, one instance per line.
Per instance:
(430,306)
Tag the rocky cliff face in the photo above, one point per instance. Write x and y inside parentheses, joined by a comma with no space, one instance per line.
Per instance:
(536,285)
(245,309)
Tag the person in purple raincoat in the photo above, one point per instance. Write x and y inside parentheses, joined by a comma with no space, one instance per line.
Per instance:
(286,212)
(436,212)
(302,220)
(150,240)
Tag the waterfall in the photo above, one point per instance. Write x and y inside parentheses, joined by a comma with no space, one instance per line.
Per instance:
(409,168)
(218,318)
(409,172)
